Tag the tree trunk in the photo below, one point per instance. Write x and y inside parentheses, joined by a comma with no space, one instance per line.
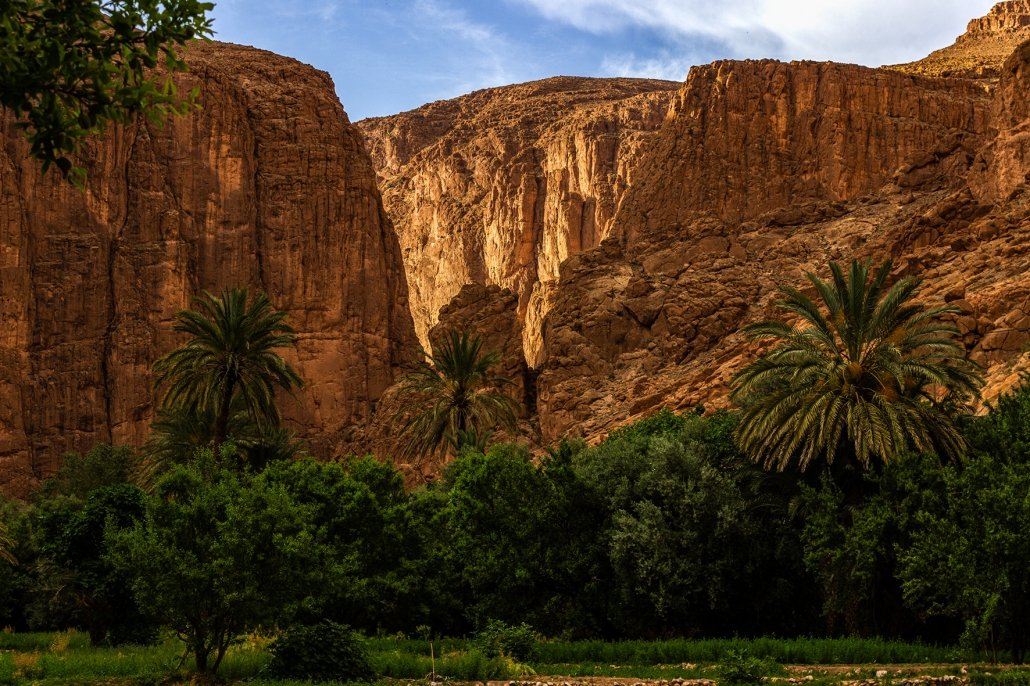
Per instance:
(222,419)
(200,655)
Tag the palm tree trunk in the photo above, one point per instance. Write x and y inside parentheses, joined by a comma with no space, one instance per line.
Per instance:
(222,420)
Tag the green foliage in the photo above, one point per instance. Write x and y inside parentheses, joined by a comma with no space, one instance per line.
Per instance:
(69,68)
(177,433)
(739,667)
(358,512)
(520,548)
(685,523)
(807,651)
(851,548)
(218,555)
(864,377)
(326,651)
(78,581)
(1004,432)
(16,580)
(104,465)
(466,665)
(498,639)
(970,555)
(998,678)
(453,399)
(229,358)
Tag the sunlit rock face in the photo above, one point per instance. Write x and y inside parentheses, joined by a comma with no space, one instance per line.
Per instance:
(766,171)
(500,186)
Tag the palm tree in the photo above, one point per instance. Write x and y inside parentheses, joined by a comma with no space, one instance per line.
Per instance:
(462,399)
(228,359)
(176,434)
(864,376)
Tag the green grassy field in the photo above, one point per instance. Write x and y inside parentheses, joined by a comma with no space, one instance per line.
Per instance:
(65,659)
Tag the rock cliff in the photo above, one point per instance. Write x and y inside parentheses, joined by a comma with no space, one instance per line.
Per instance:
(747,138)
(502,185)
(268,186)
(616,233)
(769,170)
(981,51)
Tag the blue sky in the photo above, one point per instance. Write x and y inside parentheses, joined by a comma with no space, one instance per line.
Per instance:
(387,56)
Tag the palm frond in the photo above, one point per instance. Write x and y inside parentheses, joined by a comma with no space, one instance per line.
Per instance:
(861,370)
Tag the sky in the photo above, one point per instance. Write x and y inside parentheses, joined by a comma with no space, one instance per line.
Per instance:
(389,56)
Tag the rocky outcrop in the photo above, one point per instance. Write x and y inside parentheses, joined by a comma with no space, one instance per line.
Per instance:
(768,171)
(747,138)
(502,185)
(981,51)
(490,313)
(266,186)
(1004,165)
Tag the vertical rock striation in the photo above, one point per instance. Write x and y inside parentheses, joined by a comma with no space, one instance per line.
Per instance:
(500,186)
(746,138)
(266,186)
(766,171)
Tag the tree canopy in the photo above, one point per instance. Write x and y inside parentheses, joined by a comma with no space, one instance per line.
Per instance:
(68,67)
(228,358)
(865,375)
(457,397)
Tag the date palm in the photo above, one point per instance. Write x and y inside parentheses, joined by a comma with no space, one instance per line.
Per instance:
(864,375)
(176,434)
(461,400)
(229,359)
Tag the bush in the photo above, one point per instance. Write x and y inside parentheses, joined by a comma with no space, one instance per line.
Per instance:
(326,651)
(505,640)
(741,667)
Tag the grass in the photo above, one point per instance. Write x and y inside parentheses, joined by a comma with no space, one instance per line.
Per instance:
(41,641)
(804,651)
(55,659)
(470,665)
(66,659)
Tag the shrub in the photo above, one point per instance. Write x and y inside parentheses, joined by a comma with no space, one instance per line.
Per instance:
(498,639)
(740,667)
(326,651)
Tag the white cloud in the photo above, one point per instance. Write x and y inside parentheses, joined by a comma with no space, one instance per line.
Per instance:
(666,66)
(870,32)
(485,54)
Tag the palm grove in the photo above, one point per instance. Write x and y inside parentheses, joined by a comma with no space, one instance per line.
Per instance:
(852,466)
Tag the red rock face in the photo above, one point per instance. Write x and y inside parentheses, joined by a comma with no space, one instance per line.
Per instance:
(1012,15)
(266,186)
(1005,164)
(750,137)
(769,171)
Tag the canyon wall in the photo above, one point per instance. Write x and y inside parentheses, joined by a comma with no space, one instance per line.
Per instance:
(267,186)
(746,138)
(760,172)
(500,186)
(768,171)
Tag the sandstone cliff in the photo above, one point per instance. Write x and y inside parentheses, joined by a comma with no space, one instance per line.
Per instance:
(267,186)
(502,185)
(980,52)
(769,170)
(746,138)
